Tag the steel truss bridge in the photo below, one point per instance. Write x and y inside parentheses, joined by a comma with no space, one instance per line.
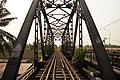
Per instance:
(57,20)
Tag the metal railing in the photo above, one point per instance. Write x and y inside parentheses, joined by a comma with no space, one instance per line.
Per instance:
(27,73)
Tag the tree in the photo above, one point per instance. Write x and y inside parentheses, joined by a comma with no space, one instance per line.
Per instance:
(6,39)
(29,46)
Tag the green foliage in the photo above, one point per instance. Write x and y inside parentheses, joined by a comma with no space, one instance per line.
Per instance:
(78,58)
(3,13)
(2,50)
(7,36)
(6,42)
(8,48)
(29,47)
(39,53)
(55,47)
(6,39)
(112,46)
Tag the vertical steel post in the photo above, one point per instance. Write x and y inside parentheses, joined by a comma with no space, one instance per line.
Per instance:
(52,44)
(101,54)
(45,30)
(71,36)
(36,42)
(62,47)
(68,39)
(63,43)
(41,35)
(80,34)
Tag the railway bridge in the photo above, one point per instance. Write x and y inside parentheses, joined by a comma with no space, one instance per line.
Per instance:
(57,20)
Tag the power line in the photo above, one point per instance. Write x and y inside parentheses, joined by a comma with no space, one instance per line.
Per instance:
(110,23)
(115,40)
(107,25)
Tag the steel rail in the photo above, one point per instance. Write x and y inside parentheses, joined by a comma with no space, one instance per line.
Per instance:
(50,68)
(46,68)
(69,68)
(72,70)
(72,77)
(63,69)
(64,74)
(27,73)
(58,67)
(62,66)
(54,68)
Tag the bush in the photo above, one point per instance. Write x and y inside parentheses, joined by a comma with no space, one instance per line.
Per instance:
(78,58)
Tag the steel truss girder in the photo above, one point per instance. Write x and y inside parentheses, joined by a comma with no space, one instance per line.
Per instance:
(64,39)
(12,68)
(49,43)
(79,18)
(66,43)
(45,15)
(75,33)
(71,15)
(101,54)
(58,5)
(58,21)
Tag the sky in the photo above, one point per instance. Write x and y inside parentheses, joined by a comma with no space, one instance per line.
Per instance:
(106,15)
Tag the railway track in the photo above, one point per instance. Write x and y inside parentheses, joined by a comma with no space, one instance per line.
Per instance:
(58,68)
